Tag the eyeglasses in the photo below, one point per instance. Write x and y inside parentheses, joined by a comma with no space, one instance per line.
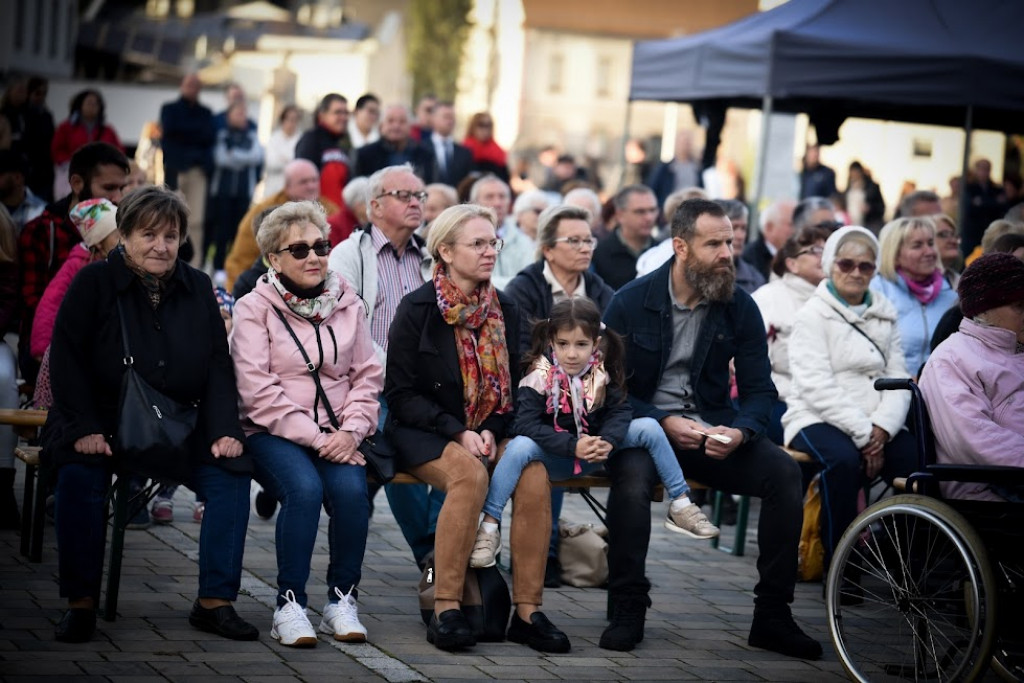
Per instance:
(300,251)
(947,235)
(481,246)
(577,243)
(828,225)
(404,195)
(847,265)
(814,251)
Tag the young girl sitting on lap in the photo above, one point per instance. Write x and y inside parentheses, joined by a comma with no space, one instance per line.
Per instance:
(572,414)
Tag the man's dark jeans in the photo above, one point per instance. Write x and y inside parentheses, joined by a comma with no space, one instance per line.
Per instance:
(758,468)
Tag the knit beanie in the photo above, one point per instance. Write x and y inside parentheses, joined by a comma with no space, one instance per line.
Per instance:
(836,239)
(225,301)
(94,219)
(991,281)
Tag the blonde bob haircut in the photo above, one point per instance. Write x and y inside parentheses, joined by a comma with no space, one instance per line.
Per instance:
(448,225)
(892,237)
(275,226)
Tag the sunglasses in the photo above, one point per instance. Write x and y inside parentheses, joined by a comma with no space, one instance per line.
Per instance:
(847,265)
(816,251)
(300,251)
(828,225)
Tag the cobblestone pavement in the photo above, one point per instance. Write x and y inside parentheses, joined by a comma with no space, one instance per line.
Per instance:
(696,629)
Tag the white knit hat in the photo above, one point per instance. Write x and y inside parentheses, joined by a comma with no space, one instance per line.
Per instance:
(836,239)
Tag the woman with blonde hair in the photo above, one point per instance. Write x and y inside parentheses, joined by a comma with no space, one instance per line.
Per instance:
(452,373)
(910,276)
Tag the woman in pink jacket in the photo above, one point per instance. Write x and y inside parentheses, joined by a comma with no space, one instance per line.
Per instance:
(973,383)
(304,439)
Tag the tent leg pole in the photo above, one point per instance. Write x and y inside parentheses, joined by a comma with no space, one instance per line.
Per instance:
(625,141)
(762,161)
(962,200)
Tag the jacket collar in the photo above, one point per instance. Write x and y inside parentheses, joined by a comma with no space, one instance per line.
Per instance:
(996,337)
(880,307)
(657,289)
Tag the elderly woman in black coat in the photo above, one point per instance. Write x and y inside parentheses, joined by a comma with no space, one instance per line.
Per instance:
(179,346)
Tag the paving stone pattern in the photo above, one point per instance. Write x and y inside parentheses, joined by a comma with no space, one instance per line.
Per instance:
(696,630)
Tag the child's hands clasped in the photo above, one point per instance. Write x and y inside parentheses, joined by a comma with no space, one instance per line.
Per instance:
(592,448)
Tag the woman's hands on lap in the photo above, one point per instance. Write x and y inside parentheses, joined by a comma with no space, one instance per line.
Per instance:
(93,444)
(874,451)
(226,447)
(341,447)
(482,445)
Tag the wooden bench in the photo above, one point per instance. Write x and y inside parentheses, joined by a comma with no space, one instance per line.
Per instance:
(582,486)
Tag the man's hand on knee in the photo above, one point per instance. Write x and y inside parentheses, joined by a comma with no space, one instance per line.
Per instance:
(683,433)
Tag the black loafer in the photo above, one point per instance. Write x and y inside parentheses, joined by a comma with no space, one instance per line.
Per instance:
(223,621)
(76,626)
(540,633)
(450,631)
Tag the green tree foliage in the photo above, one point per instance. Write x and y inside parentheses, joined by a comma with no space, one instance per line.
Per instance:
(437,33)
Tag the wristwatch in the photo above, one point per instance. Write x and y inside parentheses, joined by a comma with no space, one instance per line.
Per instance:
(748,434)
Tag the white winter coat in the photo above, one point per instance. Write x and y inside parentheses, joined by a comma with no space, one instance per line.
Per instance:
(779,301)
(834,368)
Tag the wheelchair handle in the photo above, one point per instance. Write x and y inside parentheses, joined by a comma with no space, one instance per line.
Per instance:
(889,383)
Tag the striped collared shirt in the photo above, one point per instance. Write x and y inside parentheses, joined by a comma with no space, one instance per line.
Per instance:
(396,277)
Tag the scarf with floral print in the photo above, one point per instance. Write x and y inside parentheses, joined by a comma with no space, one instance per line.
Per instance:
(574,394)
(480,342)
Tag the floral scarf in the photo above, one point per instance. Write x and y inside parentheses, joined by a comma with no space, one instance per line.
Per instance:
(154,286)
(315,309)
(927,291)
(480,344)
(571,394)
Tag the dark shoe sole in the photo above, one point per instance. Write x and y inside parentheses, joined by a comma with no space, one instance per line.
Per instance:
(558,647)
(207,627)
(448,643)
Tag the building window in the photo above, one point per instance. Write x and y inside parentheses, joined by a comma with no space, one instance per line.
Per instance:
(555,69)
(604,76)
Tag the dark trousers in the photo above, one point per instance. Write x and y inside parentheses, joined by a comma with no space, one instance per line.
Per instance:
(80,517)
(842,474)
(228,212)
(758,468)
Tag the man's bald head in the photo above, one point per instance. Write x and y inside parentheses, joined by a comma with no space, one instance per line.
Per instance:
(301,180)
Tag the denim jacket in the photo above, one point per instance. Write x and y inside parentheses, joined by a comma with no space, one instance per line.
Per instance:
(642,313)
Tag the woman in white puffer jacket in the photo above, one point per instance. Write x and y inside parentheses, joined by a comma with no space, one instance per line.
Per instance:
(843,339)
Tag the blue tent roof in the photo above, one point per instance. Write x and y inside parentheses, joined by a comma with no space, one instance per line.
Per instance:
(915,60)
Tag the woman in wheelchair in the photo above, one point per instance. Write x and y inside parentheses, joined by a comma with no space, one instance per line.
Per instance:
(973,383)
(844,338)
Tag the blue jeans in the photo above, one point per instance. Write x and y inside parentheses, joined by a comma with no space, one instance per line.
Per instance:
(842,474)
(415,507)
(302,482)
(80,518)
(644,432)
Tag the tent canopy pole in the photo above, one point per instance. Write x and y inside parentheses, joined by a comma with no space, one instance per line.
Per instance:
(762,164)
(962,200)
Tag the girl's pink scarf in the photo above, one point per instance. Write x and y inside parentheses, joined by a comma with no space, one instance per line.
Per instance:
(927,291)
(566,395)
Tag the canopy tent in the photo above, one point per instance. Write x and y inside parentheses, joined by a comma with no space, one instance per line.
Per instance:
(911,60)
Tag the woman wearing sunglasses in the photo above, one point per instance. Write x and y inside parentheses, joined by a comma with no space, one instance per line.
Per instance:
(844,338)
(910,275)
(798,267)
(309,381)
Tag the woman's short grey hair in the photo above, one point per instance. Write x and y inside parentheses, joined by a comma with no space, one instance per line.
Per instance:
(355,192)
(275,226)
(550,219)
(807,208)
(448,225)
(376,181)
(529,199)
(892,237)
(149,206)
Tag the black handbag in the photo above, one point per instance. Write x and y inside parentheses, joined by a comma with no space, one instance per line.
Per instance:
(154,431)
(376,449)
(485,600)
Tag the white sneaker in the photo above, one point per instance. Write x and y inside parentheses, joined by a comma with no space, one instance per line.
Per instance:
(341,619)
(485,549)
(691,522)
(291,625)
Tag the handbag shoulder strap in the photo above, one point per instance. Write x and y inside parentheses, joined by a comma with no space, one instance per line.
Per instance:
(128,360)
(320,393)
(866,336)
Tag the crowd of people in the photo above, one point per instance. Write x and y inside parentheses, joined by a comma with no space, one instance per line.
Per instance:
(389,284)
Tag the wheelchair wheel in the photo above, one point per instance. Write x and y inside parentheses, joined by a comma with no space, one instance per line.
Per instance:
(911,595)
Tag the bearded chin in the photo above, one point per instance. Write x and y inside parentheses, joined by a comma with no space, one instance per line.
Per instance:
(713,284)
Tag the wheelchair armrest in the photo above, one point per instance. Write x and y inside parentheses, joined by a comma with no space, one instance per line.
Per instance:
(981,474)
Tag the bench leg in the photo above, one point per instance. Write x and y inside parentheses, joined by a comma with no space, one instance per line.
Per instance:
(27,506)
(742,514)
(38,518)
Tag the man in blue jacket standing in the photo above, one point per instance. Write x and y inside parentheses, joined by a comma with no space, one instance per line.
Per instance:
(682,324)
(187,142)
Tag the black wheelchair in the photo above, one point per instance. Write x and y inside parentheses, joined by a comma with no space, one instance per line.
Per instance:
(926,589)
